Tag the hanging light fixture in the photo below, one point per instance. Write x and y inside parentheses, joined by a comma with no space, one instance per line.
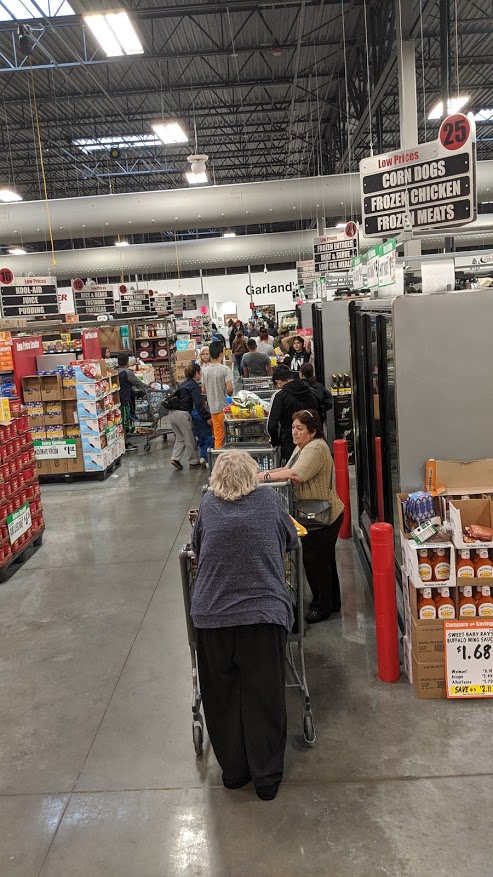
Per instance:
(198,172)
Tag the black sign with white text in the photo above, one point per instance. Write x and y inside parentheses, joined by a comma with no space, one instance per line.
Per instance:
(433,185)
(95,300)
(33,300)
(334,252)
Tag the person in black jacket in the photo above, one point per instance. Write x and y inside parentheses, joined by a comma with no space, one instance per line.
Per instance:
(307,374)
(190,396)
(127,381)
(293,395)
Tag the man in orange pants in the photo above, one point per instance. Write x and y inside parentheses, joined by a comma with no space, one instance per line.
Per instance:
(217,383)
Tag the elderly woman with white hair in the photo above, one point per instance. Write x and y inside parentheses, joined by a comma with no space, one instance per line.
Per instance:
(242,613)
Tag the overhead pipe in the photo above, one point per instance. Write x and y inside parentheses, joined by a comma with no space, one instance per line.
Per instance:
(204,207)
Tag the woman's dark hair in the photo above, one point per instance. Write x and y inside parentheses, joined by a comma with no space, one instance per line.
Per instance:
(192,370)
(298,338)
(308,372)
(311,420)
(106,352)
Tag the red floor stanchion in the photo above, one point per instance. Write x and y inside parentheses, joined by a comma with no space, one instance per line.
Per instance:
(341,467)
(384,594)
(379,471)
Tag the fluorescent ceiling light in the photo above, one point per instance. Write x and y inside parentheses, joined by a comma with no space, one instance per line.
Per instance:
(129,141)
(24,10)
(122,243)
(341,225)
(170,132)
(115,33)
(484,116)
(9,195)
(453,106)
(195,179)
(17,251)
(229,234)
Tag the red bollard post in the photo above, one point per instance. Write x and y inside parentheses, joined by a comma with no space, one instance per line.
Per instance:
(341,467)
(379,472)
(384,595)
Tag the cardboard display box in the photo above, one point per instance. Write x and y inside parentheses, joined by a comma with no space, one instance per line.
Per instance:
(429,679)
(401,501)
(31,388)
(457,478)
(51,387)
(410,558)
(427,640)
(463,513)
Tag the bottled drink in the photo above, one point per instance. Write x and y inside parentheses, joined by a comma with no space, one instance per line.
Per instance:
(424,566)
(427,611)
(484,566)
(440,566)
(485,603)
(467,604)
(445,605)
(465,566)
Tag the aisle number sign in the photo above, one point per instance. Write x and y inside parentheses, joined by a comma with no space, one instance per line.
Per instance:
(469,658)
(432,184)
(19,522)
(334,251)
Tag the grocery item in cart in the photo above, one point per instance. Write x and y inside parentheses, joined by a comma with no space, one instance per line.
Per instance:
(246,404)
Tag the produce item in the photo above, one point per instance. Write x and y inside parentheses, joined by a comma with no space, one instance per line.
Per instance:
(427,611)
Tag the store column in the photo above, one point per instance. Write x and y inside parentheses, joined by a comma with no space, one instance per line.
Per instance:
(408,105)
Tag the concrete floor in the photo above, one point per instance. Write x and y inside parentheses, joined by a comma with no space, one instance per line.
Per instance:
(97,772)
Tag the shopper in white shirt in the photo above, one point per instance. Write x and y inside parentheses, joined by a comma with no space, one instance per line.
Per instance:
(217,383)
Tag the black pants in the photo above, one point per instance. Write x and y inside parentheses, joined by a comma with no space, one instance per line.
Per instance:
(242,673)
(319,560)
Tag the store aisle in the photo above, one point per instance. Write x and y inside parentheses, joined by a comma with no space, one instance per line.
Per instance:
(97,771)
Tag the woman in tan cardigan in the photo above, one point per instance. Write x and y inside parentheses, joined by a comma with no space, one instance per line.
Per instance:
(311,469)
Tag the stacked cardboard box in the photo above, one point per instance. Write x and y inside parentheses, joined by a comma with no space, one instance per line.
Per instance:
(51,407)
(184,358)
(99,415)
(21,512)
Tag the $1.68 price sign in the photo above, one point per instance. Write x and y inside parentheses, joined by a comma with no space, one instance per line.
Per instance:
(469,658)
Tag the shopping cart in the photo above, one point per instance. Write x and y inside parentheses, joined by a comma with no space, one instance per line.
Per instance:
(262,387)
(150,409)
(295,655)
(245,430)
(265,456)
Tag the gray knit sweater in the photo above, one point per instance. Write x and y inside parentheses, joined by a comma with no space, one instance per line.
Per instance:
(240,550)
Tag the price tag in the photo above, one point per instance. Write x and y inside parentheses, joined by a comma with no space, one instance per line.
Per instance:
(19,522)
(58,449)
(469,658)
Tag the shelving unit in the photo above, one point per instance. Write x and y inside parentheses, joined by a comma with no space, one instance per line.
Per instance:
(155,343)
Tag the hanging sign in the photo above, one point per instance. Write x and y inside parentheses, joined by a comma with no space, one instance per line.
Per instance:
(306,276)
(94,299)
(469,658)
(135,300)
(372,259)
(429,186)
(334,251)
(387,263)
(358,282)
(28,296)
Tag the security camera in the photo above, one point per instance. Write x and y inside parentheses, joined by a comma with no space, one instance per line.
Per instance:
(408,226)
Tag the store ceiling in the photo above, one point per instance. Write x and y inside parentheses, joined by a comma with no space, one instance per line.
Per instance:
(263,84)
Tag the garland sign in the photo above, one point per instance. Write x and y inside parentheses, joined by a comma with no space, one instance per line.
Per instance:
(429,186)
